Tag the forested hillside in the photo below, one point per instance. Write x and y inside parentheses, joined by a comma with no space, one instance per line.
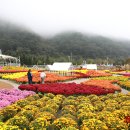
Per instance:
(68,46)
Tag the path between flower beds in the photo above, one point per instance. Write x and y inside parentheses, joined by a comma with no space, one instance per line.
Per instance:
(9,84)
(6,84)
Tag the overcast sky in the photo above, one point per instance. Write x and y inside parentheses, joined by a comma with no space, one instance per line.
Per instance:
(104,17)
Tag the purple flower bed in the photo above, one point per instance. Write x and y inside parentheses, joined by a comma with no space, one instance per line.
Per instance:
(8,97)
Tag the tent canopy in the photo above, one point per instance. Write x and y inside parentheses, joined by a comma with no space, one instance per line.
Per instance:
(60,66)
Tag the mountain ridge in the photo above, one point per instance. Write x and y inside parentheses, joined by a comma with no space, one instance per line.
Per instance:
(66,46)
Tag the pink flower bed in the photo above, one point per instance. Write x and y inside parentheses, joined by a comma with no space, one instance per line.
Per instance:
(8,97)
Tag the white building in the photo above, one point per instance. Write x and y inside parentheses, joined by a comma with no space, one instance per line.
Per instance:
(60,66)
(90,66)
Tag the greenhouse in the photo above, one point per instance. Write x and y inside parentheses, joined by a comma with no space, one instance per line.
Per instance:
(6,60)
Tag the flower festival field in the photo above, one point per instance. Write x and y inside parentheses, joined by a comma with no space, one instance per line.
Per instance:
(58,112)
(94,104)
(8,97)
(68,88)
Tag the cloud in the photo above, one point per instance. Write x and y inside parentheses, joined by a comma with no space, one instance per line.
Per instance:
(105,17)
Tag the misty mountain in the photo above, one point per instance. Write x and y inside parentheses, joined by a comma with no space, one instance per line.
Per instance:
(67,46)
(89,46)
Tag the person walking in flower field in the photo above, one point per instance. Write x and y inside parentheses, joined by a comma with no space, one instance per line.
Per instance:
(43,76)
(29,74)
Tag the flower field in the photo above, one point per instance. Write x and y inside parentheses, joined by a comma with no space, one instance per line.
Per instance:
(106,84)
(21,77)
(95,104)
(93,73)
(113,78)
(8,97)
(67,89)
(58,112)
(124,84)
(13,69)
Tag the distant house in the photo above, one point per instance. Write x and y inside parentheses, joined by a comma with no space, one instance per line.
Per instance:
(60,66)
(90,66)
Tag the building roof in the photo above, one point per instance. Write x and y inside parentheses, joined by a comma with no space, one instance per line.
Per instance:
(90,66)
(7,57)
(61,66)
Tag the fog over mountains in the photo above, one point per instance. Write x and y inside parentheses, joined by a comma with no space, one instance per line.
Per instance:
(66,46)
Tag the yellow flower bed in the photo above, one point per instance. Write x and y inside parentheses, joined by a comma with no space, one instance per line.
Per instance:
(3,74)
(14,75)
(80,71)
(39,123)
(65,122)
(69,128)
(116,78)
(106,112)
(14,68)
(3,126)
(93,124)
(21,121)
(125,84)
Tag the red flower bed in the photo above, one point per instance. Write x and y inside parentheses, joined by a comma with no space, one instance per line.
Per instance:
(28,87)
(66,88)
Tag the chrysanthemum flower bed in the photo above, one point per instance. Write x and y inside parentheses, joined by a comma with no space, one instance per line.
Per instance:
(58,112)
(124,84)
(67,88)
(106,84)
(93,73)
(51,78)
(113,78)
(8,97)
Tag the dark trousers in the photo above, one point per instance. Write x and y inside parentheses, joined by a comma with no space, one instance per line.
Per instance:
(30,81)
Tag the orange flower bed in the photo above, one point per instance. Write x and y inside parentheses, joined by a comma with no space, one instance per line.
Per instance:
(50,78)
(97,73)
(103,84)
